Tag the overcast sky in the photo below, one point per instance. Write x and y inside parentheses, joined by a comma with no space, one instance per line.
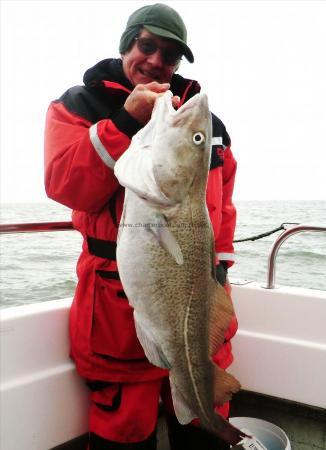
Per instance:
(262,64)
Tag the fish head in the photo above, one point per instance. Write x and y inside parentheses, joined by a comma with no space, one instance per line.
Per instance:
(181,145)
(171,154)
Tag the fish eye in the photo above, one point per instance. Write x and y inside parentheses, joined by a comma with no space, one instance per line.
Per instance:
(198,138)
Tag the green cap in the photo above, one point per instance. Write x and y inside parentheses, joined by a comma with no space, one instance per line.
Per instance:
(160,20)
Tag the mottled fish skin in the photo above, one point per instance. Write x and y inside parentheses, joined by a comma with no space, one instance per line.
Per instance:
(165,257)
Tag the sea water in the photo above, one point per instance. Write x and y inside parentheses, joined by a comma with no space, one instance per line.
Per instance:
(37,267)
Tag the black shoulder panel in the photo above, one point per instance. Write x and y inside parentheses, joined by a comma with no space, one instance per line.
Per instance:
(88,103)
(220,141)
(220,130)
(180,84)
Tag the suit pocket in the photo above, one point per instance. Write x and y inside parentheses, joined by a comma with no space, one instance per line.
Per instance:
(113,329)
(108,398)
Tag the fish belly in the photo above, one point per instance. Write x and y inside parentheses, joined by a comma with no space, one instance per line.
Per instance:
(171,301)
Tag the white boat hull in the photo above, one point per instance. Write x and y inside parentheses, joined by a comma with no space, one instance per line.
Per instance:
(280,350)
(43,400)
(280,347)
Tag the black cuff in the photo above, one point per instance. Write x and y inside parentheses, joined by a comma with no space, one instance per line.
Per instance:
(221,272)
(225,265)
(126,123)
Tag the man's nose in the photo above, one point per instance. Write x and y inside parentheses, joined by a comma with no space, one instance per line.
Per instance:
(156,59)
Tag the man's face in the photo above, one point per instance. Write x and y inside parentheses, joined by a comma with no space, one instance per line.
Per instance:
(141,68)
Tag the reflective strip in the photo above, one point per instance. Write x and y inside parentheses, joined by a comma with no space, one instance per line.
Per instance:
(99,147)
(226,256)
(217,140)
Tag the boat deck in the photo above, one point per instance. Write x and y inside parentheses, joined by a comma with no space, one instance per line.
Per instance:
(304,425)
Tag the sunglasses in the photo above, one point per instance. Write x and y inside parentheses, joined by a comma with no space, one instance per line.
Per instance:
(148,46)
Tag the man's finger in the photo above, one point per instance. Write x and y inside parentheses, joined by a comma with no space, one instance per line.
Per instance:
(176,101)
(157,87)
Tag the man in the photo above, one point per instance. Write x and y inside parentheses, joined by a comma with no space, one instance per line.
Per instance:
(87,130)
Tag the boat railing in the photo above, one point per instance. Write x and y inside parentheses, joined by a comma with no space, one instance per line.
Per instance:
(277,244)
(66,226)
(35,227)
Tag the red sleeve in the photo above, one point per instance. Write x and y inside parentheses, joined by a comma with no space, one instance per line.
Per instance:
(224,241)
(79,159)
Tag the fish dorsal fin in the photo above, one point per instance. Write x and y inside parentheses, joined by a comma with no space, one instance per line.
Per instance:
(165,237)
(220,316)
(225,385)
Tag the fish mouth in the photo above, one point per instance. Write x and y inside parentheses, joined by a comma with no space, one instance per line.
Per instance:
(199,100)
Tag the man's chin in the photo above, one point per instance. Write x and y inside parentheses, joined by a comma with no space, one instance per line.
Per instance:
(145,79)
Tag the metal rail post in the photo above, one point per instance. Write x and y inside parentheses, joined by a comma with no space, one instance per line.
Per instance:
(277,244)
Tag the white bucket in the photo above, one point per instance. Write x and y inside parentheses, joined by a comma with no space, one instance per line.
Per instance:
(272,436)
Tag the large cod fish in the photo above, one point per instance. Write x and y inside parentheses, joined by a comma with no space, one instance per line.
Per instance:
(165,256)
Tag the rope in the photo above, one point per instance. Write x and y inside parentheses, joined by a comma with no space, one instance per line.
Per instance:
(268,233)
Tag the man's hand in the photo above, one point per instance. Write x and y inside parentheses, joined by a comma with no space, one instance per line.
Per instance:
(140,102)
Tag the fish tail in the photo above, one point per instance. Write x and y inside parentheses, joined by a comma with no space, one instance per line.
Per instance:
(229,433)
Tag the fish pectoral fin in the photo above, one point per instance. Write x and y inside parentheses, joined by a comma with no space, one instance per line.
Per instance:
(152,351)
(220,316)
(182,411)
(166,239)
(225,385)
